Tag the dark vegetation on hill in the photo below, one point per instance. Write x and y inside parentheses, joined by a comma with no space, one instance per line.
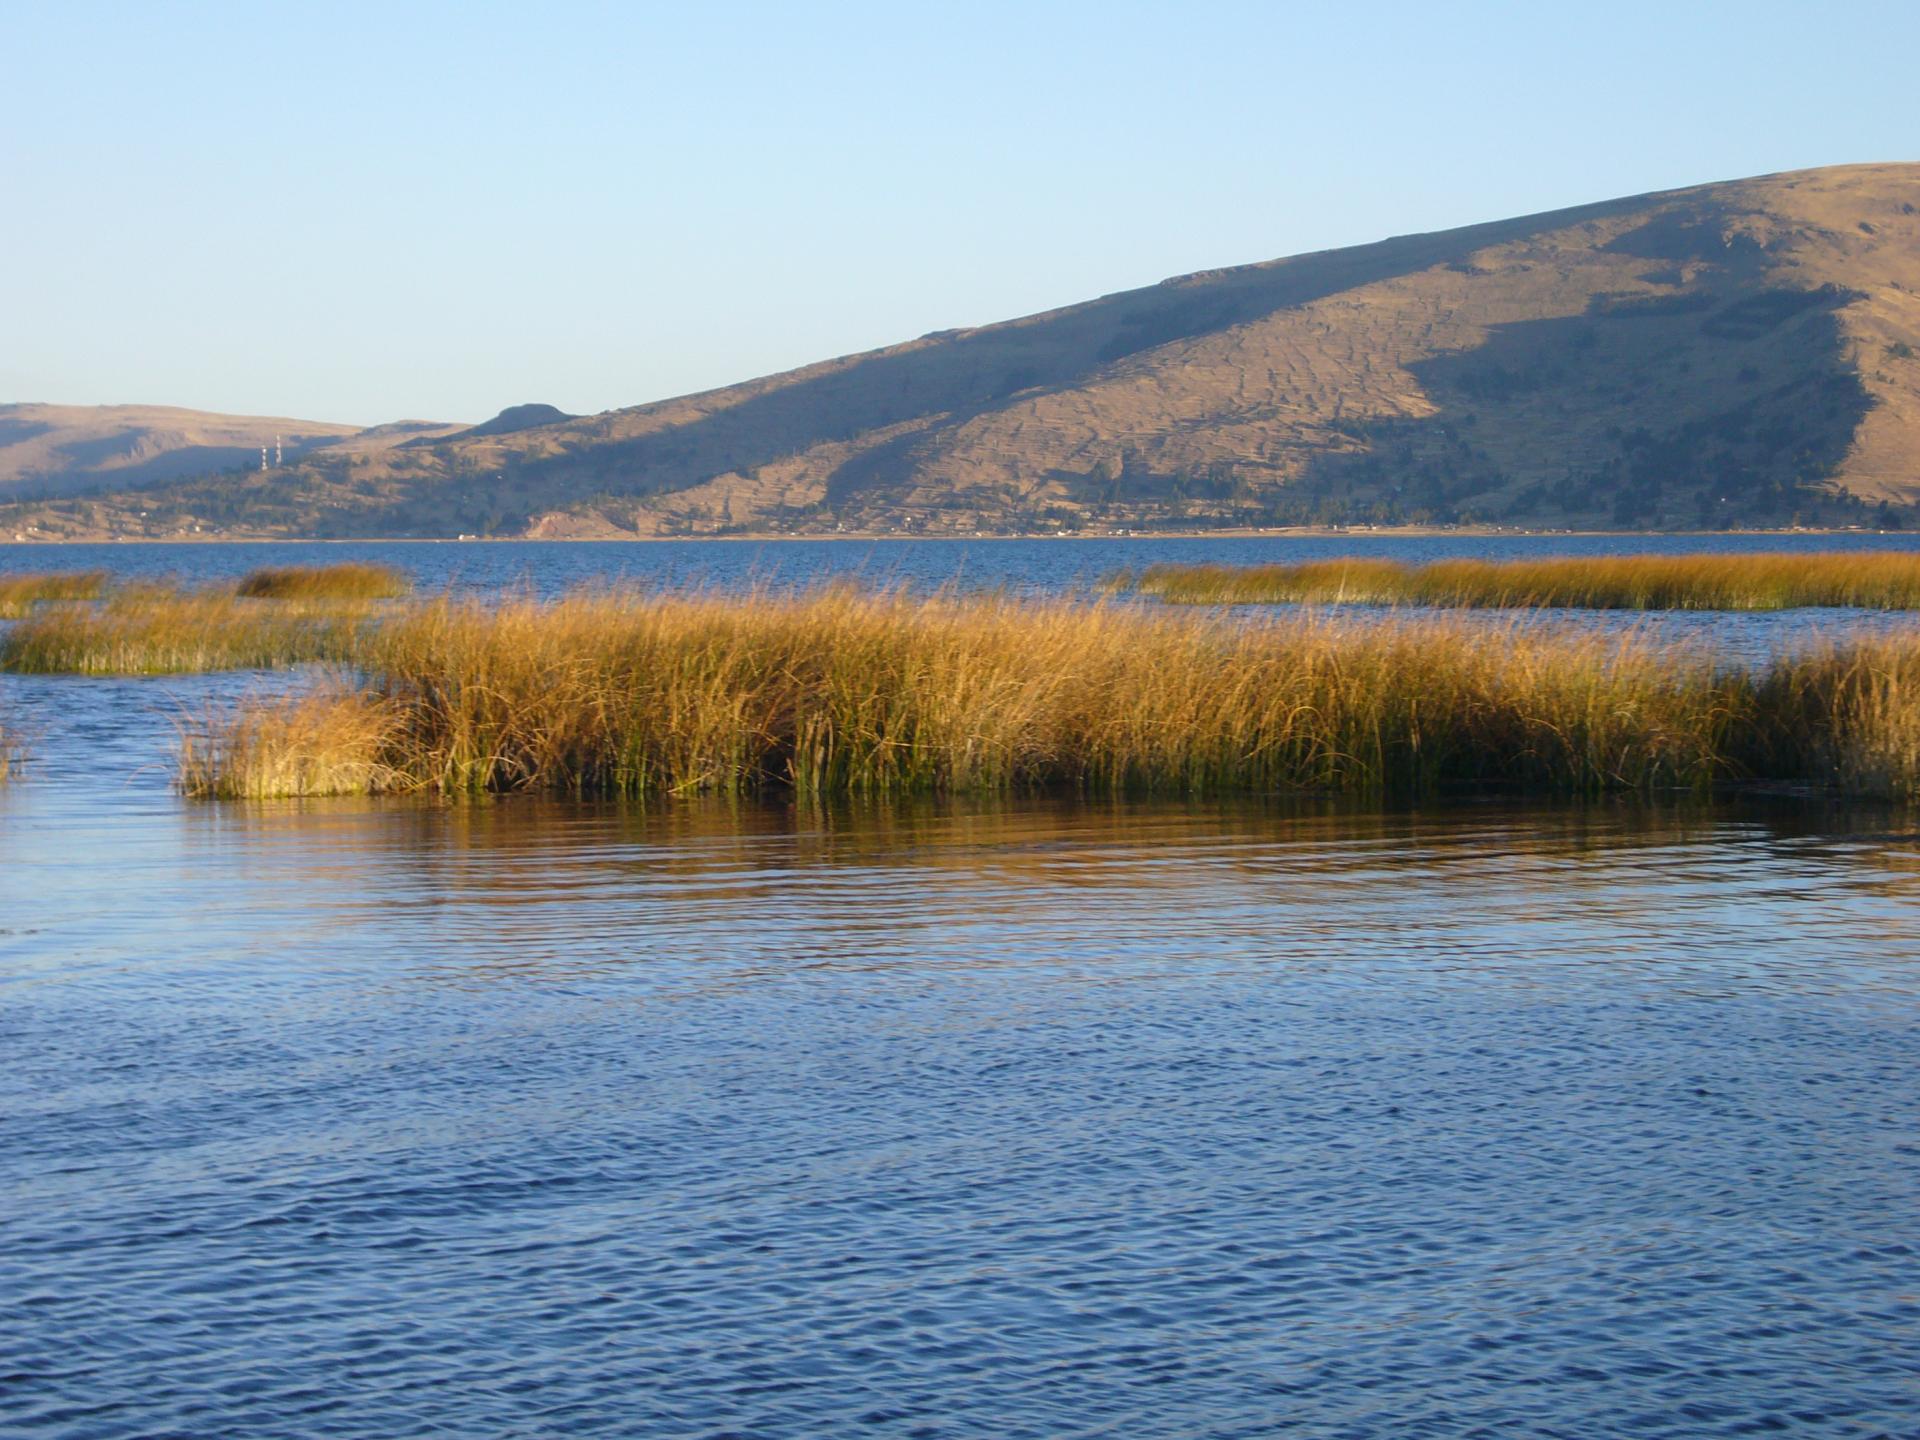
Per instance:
(1738,354)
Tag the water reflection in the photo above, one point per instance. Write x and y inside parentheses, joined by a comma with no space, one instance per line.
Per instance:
(586,888)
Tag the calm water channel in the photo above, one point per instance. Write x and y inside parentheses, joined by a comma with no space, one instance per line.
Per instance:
(1031,1120)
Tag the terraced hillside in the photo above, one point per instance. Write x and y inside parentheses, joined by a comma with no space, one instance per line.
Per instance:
(1732,354)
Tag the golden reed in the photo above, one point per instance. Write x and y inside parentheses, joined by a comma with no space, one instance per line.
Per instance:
(270,619)
(20,593)
(1878,580)
(348,581)
(843,692)
(152,631)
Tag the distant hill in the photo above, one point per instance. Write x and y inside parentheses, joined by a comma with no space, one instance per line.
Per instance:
(57,449)
(512,419)
(71,449)
(1745,353)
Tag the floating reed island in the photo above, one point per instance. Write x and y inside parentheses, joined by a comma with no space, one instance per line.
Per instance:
(20,593)
(843,692)
(1875,580)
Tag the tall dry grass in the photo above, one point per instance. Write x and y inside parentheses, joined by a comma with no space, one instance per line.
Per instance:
(843,692)
(1882,580)
(1845,717)
(330,742)
(152,631)
(20,593)
(346,581)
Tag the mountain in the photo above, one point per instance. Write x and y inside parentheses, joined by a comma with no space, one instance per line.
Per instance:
(1742,353)
(70,449)
(58,449)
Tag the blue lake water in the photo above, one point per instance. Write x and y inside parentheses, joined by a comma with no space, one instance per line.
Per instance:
(1039,1119)
(1026,566)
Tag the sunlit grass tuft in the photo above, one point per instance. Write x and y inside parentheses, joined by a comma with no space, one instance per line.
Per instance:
(20,593)
(151,631)
(1880,580)
(332,742)
(349,581)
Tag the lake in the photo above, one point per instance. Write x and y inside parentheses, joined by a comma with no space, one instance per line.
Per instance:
(1029,1119)
(1022,565)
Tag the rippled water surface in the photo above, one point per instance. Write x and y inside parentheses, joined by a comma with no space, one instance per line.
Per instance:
(1033,1120)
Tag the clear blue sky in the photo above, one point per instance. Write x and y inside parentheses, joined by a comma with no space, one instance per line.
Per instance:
(361,213)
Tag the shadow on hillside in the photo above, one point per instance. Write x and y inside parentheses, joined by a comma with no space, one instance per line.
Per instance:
(1704,407)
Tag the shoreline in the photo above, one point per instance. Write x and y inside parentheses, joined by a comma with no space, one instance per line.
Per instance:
(1297,532)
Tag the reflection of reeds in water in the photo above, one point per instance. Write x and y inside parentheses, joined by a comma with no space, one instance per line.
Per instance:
(20,593)
(150,631)
(1877,580)
(1001,862)
(347,581)
(849,693)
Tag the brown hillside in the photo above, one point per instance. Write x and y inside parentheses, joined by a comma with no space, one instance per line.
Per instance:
(1740,353)
(61,448)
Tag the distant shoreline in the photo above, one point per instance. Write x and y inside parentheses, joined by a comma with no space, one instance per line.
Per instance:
(1296,532)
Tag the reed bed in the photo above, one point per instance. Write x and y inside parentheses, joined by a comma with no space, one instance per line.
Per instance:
(20,593)
(849,693)
(348,581)
(1882,580)
(150,631)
